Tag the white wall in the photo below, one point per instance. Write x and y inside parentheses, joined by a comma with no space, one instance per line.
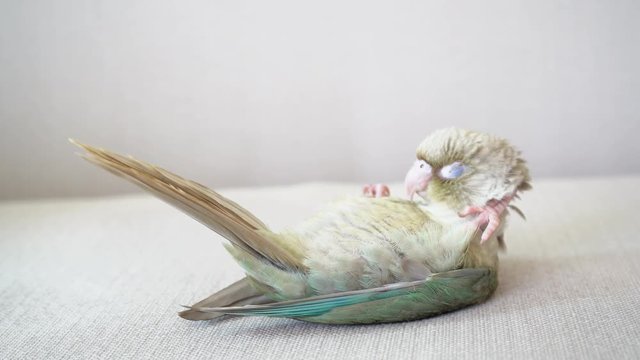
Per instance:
(275,92)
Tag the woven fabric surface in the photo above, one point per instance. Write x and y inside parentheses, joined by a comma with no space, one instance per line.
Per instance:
(104,278)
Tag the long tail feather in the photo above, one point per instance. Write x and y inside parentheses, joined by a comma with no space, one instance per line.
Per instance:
(220,214)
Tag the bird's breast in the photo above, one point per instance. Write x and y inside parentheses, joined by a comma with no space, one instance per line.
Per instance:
(363,242)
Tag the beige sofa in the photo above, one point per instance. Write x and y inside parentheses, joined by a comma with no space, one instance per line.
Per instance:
(105,277)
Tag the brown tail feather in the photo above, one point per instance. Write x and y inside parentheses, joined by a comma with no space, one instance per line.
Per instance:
(220,214)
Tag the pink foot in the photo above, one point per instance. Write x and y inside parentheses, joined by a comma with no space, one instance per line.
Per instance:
(377,190)
(488,216)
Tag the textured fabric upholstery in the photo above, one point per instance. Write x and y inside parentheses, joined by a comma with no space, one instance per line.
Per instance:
(104,278)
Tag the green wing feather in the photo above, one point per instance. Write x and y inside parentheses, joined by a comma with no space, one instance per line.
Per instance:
(436,294)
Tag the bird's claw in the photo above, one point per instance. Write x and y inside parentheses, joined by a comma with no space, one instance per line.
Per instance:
(375,190)
(488,216)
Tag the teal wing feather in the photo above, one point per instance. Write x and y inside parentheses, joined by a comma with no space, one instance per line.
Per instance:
(436,294)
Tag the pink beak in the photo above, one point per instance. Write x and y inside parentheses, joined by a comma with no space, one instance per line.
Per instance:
(417,178)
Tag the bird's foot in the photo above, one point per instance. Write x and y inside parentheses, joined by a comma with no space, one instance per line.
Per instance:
(488,216)
(376,190)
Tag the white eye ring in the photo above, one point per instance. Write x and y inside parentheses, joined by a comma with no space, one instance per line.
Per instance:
(452,171)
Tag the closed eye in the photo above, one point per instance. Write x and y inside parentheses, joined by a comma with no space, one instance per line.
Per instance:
(452,171)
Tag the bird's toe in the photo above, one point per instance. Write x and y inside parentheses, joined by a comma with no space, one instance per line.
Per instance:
(376,190)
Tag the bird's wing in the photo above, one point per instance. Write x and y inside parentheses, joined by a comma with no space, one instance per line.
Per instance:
(218,213)
(436,294)
(239,293)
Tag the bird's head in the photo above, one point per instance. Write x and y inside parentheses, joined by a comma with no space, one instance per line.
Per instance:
(459,167)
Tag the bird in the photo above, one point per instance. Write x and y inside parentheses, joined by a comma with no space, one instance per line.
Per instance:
(364,259)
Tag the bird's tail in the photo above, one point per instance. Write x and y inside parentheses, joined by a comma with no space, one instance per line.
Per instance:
(245,231)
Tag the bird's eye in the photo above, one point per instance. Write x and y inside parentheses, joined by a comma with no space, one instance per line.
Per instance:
(452,171)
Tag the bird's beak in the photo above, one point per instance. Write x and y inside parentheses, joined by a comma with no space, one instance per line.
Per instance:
(417,179)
